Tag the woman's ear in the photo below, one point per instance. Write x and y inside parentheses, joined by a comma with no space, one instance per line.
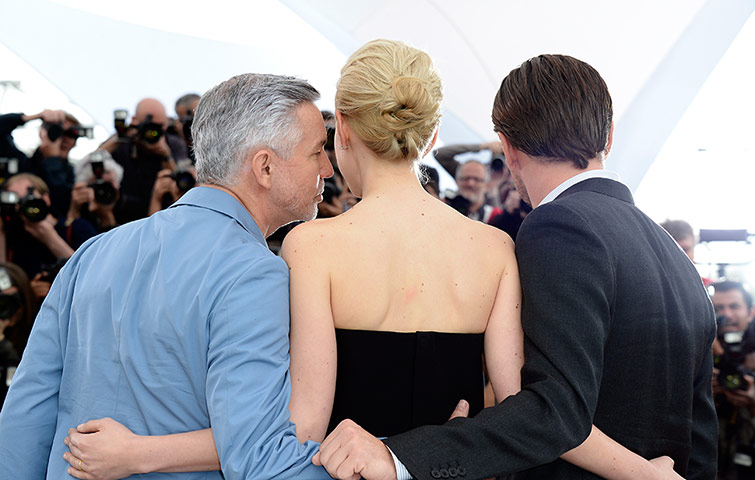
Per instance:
(343,130)
(430,145)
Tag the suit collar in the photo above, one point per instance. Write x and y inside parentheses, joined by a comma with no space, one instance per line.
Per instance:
(604,186)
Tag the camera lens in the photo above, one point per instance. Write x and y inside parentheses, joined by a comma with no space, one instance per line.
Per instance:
(35,209)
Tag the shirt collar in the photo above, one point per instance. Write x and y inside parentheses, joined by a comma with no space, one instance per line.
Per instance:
(222,202)
(575,180)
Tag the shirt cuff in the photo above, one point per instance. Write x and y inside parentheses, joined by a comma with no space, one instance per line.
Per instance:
(401,472)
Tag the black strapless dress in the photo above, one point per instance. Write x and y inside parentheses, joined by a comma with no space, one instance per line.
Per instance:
(391,382)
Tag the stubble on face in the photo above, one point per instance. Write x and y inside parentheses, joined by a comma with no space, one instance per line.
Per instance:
(299,185)
(521,188)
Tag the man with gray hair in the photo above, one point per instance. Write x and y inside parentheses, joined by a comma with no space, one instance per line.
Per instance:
(133,331)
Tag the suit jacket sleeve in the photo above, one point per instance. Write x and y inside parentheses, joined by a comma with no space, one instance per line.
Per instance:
(248,387)
(704,452)
(568,284)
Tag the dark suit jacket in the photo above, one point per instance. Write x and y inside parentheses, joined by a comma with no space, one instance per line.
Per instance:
(618,333)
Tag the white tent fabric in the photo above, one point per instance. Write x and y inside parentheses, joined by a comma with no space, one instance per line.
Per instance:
(656,56)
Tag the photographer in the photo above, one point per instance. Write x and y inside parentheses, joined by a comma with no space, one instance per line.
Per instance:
(736,405)
(17,313)
(184,109)
(58,135)
(29,231)
(94,196)
(170,186)
(733,379)
(142,149)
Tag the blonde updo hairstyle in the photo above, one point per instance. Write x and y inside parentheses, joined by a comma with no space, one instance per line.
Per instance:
(390,95)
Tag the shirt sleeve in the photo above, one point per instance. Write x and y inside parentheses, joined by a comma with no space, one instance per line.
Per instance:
(248,387)
(29,415)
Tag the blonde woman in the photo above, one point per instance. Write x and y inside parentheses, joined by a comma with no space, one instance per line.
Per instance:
(393,302)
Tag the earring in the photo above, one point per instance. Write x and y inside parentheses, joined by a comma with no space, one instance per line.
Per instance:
(343,147)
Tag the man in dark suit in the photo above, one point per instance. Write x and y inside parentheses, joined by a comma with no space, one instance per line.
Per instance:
(618,327)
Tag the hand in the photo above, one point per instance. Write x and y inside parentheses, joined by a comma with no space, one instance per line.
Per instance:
(40,287)
(52,116)
(461,410)
(44,231)
(743,398)
(350,452)
(665,468)
(48,147)
(495,147)
(164,184)
(104,447)
(717,389)
(80,195)
(159,148)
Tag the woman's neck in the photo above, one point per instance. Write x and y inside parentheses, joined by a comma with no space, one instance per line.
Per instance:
(381,177)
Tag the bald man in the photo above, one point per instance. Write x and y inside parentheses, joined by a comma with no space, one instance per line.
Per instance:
(144,152)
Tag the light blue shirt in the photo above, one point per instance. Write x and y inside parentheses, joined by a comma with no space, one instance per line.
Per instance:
(169,324)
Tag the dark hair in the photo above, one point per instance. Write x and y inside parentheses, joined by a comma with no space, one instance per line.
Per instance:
(18,333)
(678,229)
(555,107)
(728,286)
(186,100)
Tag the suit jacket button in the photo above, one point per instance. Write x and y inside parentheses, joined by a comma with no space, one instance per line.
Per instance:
(435,473)
(444,473)
(453,472)
(462,471)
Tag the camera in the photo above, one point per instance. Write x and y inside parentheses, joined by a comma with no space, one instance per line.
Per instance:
(55,131)
(736,345)
(104,191)
(33,208)
(8,168)
(184,179)
(49,272)
(9,305)
(119,121)
(149,131)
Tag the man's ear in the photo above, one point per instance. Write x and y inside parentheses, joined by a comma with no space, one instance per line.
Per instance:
(610,140)
(260,165)
(511,153)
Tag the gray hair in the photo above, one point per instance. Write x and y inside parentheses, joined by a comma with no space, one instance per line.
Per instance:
(84,170)
(244,114)
(483,165)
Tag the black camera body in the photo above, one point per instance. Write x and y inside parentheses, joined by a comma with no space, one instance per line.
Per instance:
(736,345)
(104,191)
(184,179)
(149,131)
(10,303)
(55,131)
(33,208)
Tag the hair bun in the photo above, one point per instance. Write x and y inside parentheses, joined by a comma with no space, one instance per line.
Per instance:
(391,95)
